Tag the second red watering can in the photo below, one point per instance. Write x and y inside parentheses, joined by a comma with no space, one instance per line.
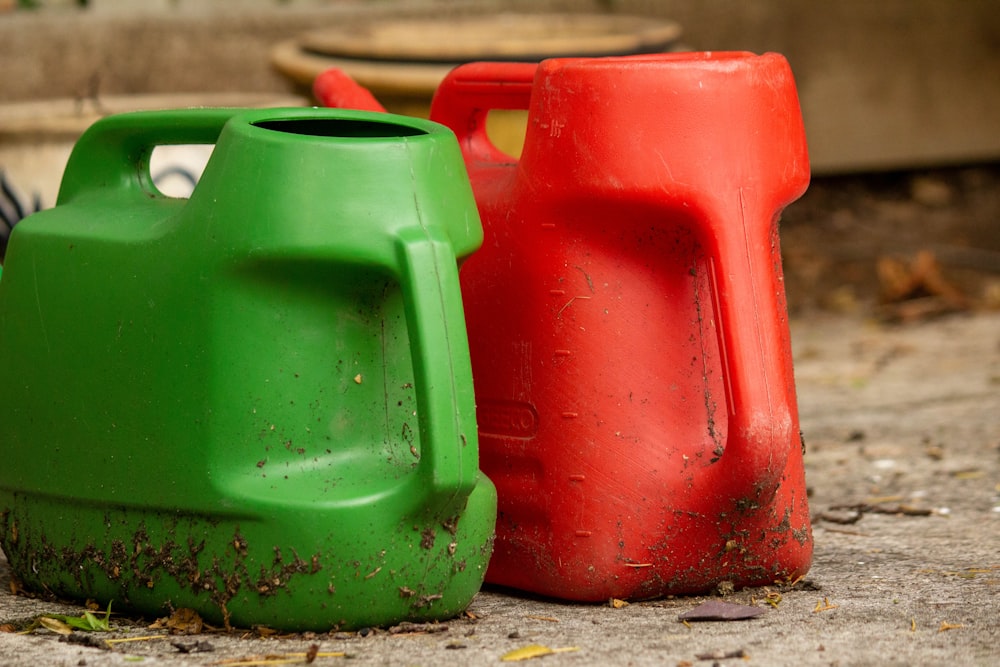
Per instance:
(627,322)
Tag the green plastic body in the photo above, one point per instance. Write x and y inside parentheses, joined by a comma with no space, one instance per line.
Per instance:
(256,403)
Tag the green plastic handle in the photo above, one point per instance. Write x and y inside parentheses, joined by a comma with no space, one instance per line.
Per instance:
(436,323)
(115,151)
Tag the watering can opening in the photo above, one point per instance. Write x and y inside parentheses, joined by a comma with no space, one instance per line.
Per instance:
(340,127)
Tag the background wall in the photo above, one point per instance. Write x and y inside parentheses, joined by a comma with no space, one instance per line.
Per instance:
(887,84)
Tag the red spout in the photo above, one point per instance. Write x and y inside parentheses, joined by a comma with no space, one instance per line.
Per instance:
(335,89)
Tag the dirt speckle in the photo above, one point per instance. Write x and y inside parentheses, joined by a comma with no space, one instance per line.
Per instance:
(427,538)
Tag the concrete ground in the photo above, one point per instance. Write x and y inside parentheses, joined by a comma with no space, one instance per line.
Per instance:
(902,424)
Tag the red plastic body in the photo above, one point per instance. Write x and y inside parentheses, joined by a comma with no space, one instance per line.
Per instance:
(627,321)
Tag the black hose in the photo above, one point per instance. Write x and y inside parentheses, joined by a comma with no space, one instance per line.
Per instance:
(12,211)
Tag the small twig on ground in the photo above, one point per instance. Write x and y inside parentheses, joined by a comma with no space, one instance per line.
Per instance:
(860,509)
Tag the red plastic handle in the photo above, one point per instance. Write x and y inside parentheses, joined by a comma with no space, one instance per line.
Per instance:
(467,95)
(759,394)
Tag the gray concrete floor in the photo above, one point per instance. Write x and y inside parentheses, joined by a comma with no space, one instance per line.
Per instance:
(893,415)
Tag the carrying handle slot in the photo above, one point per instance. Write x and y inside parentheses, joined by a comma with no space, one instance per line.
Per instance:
(467,95)
(115,151)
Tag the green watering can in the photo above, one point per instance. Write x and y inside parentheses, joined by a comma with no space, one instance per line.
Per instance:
(256,403)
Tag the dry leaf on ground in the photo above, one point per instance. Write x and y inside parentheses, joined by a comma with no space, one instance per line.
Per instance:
(716,610)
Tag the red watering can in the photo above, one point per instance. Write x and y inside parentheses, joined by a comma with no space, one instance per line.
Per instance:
(627,321)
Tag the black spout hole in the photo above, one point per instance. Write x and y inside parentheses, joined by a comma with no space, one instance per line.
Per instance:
(340,127)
